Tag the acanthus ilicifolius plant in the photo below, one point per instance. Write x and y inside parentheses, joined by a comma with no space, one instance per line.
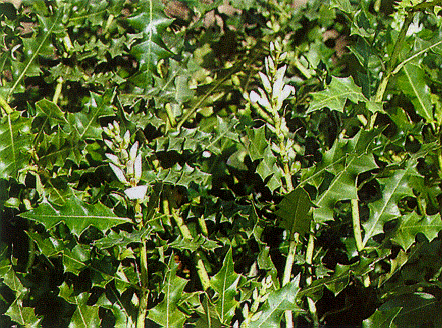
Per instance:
(269,104)
(126,163)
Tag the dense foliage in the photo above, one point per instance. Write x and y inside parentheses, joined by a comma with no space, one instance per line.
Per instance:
(220,163)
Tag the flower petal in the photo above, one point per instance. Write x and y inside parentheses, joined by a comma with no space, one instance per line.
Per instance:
(138,192)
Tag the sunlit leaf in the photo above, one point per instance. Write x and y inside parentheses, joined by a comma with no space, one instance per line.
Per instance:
(336,94)
(412,83)
(15,144)
(278,302)
(294,209)
(167,313)
(77,215)
(224,283)
(412,224)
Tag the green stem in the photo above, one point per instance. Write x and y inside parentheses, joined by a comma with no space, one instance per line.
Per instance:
(142,309)
(185,232)
(394,57)
(356,225)
(358,234)
(5,106)
(58,88)
(309,261)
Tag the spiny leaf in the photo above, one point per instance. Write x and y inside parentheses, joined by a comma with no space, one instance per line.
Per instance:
(382,319)
(34,47)
(278,302)
(417,310)
(336,94)
(167,313)
(15,144)
(224,283)
(256,142)
(294,209)
(411,224)
(412,82)
(85,124)
(77,215)
(183,175)
(23,315)
(152,22)
(385,209)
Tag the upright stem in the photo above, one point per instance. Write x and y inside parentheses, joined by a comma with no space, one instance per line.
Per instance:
(390,70)
(356,224)
(185,232)
(358,234)
(142,310)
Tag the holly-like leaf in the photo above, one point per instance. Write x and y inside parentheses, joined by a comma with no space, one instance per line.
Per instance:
(411,224)
(33,48)
(84,315)
(336,175)
(23,315)
(412,83)
(152,22)
(257,142)
(225,283)
(278,302)
(268,167)
(336,94)
(417,310)
(85,123)
(382,319)
(394,188)
(77,215)
(15,144)
(294,209)
(183,175)
(167,313)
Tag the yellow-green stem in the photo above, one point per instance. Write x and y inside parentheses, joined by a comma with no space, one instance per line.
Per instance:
(5,106)
(356,225)
(142,308)
(58,88)
(309,261)
(358,234)
(185,232)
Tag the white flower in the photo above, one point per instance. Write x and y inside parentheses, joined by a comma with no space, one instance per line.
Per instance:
(133,151)
(138,192)
(119,173)
(138,169)
(265,82)
(113,158)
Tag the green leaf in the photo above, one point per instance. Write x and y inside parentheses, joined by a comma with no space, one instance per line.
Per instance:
(225,283)
(294,209)
(167,313)
(15,144)
(418,310)
(343,5)
(152,22)
(85,316)
(336,95)
(183,175)
(268,167)
(412,83)
(85,123)
(277,303)
(23,315)
(77,215)
(33,48)
(192,245)
(257,142)
(394,188)
(382,319)
(411,224)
